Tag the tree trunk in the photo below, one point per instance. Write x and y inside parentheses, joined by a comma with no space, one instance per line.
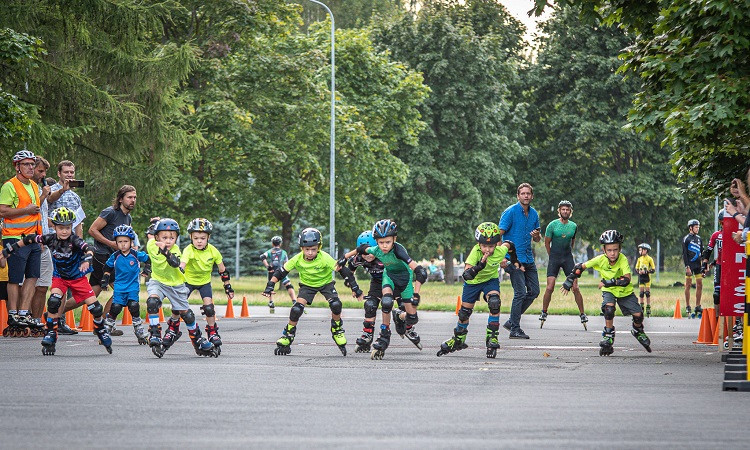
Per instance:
(448,256)
(289,241)
(589,255)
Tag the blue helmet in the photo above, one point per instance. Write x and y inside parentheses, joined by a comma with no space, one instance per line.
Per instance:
(167,225)
(384,228)
(124,230)
(366,238)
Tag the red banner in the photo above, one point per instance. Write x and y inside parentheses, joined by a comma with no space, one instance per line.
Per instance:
(732,272)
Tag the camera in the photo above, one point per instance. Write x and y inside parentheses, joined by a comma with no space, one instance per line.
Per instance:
(76,183)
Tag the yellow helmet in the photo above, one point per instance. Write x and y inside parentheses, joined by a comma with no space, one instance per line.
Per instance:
(63,216)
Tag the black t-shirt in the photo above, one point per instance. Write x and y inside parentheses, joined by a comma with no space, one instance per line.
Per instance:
(114,218)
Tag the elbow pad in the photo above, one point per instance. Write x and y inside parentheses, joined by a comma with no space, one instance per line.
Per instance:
(471,272)
(362,249)
(420,274)
(609,283)
(280,273)
(622,281)
(173,260)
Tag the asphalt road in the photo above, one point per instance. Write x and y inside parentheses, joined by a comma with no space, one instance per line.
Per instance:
(550,391)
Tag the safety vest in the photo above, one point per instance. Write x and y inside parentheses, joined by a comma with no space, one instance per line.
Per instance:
(29,224)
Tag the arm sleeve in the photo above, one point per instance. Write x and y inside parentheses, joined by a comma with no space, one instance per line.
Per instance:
(536,220)
(685,257)
(284,257)
(80,243)
(401,253)
(218,259)
(264,256)
(46,239)
(187,255)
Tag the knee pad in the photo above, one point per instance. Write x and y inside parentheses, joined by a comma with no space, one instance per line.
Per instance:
(288,286)
(133,307)
(609,312)
(96,309)
(53,303)
(335,305)
(296,312)
(208,310)
(638,321)
(643,294)
(153,304)
(387,303)
(411,319)
(464,313)
(493,301)
(115,310)
(371,307)
(717,296)
(188,317)
(648,294)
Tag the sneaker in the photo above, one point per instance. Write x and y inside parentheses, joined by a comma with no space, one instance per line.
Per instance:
(519,334)
(506,325)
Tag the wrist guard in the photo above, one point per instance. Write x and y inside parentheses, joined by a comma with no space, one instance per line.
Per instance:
(28,238)
(228,289)
(362,249)
(104,283)
(224,276)
(420,274)
(471,272)
(88,258)
(269,287)
(415,299)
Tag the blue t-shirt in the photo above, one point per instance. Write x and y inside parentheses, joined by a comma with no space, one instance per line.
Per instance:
(518,227)
(126,269)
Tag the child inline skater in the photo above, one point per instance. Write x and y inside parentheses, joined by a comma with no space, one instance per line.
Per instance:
(273,259)
(692,247)
(197,262)
(398,272)
(481,277)
(616,288)
(375,268)
(168,281)
(125,265)
(71,258)
(644,266)
(315,269)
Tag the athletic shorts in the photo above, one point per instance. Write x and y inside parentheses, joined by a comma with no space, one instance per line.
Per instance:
(24,262)
(400,284)
(45,269)
(557,262)
(286,282)
(123,297)
(204,290)
(628,305)
(177,295)
(80,288)
(695,269)
(376,288)
(644,280)
(308,292)
(471,292)
(99,265)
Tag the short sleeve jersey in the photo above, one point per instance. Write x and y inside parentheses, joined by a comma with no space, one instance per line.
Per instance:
(316,273)
(200,263)
(715,243)
(126,269)
(114,218)
(493,263)
(692,246)
(561,234)
(609,271)
(394,262)
(645,262)
(67,255)
(8,195)
(161,271)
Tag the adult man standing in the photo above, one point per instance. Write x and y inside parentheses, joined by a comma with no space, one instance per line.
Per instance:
(520,224)
(559,238)
(62,195)
(692,247)
(19,207)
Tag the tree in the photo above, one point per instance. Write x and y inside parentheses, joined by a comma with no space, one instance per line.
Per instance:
(350,13)
(465,156)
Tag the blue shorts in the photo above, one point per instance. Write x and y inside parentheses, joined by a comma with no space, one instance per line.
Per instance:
(123,297)
(204,290)
(471,292)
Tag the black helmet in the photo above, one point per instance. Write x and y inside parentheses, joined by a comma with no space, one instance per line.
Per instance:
(276,240)
(384,228)
(646,246)
(310,237)
(611,237)
(721,215)
(693,222)
(564,203)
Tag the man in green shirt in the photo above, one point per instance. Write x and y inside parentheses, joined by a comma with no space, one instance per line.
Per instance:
(616,288)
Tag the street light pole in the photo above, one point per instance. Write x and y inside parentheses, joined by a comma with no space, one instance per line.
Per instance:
(332,189)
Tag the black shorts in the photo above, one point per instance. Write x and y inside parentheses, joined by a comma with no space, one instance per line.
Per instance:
(4,290)
(99,264)
(644,278)
(204,290)
(695,269)
(376,288)
(308,292)
(557,262)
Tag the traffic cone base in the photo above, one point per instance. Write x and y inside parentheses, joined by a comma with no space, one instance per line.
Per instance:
(704,333)
(677,311)
(244,311)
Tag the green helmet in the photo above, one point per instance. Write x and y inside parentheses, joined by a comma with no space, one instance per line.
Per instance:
(487,233)
(63,216)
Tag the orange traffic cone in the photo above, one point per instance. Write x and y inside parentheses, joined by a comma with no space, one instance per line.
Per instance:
(127,319)
(161,315)
(229,314)
(677,311)
(3,315)
(723,322)
(70,319)
(704,333)
(458,305)
(244,312)
(712,320)
(87,320)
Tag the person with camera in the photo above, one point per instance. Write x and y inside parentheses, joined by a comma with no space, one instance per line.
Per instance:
(62,195)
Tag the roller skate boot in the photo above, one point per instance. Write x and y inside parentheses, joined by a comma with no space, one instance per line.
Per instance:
(271,307)
(688,312)
(491,340)
(64,329)
(283,344)
(101,332)
(154,340)
(202,346)
(36,327)
(213,336)
(542,319)
(697,312)
(381,344)
(17,326)
(172,334)
(608,341)
(457,342)
(140,331)
(337,332)
(364,341)
(648,310)
(639,334)
(109,324)
(398,322)
(411,335)
(50,338)
(584,321)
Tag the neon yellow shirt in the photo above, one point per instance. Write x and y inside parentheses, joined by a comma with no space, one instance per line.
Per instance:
(493,263)
(645,262)
(9,196)
(160,270)
(609,271)
(200,263)
(315,273)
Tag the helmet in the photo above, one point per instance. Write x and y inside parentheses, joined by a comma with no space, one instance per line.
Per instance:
(384,228)
(564,203)
(487,233)
(124,230)
(23,154)
(693,222)
(611,237)
(167,224)
(63,216)
(365,237)
(721,215)
(276,240)
(310,237)
(200,225)
(646,246)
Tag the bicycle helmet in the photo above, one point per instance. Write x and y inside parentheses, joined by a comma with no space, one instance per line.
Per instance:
(276,240)
(366,238)
(63,216)
(167,224)
(200,224)
(611,237)
(23,154)
(564,203)
(693,222)
(646,246)
(310,237)
(124,230)
(384,228)
(487,233)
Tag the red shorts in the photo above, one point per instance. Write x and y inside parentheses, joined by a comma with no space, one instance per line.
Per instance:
(80,288)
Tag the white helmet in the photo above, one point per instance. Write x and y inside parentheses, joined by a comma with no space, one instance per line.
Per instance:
(23,154)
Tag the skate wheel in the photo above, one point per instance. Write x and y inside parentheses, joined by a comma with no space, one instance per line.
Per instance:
(491,352)
(5,332)
(440,352)
(585,328)
(26,332)
(541,325)
(419,346)
(343,350)
(109,350)
(157,351)
(377,355)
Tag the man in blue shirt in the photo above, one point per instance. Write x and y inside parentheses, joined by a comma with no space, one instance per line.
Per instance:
(520,224)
